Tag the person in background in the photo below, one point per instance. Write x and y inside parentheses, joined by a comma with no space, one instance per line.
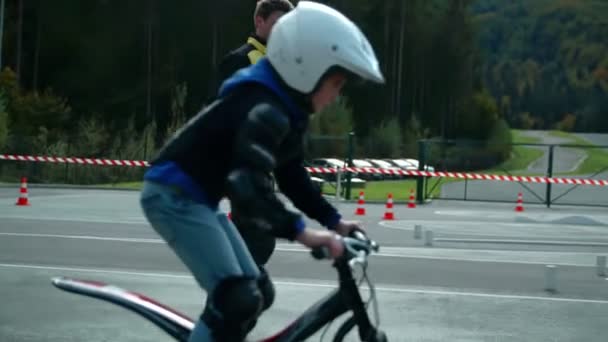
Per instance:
(260,244)
(266,14)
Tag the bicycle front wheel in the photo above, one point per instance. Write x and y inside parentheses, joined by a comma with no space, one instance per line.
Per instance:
(344,329)
(348,326)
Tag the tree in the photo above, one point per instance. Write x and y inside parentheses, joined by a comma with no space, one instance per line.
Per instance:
(3,122)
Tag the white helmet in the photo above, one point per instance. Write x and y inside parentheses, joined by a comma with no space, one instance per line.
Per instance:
(312,38)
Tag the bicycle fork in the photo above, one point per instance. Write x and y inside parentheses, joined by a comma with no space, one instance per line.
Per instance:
(352,298)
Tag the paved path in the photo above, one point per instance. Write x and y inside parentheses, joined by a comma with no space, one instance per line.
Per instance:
(455,291)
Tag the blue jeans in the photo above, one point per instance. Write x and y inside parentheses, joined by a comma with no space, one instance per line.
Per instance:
(204,239)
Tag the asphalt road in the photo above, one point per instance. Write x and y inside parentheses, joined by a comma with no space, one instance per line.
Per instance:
(462,290)
(565,159)
(600,139)
(561,194)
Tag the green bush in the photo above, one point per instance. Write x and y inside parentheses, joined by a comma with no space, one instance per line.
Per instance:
(329,130)
(42,124)
(32,110)
(500,140)
(567,123)
(411,134)
(384,140)
(474,155)
(334,120)
(526,121)
(29,113)
(93,139)
(477,117)
(178,114)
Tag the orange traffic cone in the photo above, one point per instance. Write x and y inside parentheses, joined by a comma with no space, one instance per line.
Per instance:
(360,209)
(23,199)
(388,214)
(520,203)
(412,202)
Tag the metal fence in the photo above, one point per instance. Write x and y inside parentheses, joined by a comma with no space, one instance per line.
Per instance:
(558,160)
(548,160)
(316,146)
(72,173)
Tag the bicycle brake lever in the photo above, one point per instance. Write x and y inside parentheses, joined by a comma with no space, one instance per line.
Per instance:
(374,246)
(361,235)
(358,234)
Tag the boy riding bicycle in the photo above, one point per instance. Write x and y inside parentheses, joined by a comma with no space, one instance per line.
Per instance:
(255,127)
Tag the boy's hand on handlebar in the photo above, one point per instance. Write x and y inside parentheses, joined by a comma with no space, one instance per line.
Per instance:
(322,238)
(344,228)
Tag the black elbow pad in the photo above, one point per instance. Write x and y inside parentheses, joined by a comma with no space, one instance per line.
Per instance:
(255,205)
(259,137)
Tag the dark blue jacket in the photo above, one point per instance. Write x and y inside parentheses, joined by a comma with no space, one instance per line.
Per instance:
(200,156)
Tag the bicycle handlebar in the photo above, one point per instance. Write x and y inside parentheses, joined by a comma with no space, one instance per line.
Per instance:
(356,246)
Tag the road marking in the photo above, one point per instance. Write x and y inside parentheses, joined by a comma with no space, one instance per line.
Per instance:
(45,196)
(582,259)
(95,270)
(527,242)
(536,217)
(442,227)
(85,237)
(76,219)
(399,224)
(310,284)
(394,252)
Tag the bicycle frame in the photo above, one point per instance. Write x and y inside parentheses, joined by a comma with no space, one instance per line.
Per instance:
(340,301)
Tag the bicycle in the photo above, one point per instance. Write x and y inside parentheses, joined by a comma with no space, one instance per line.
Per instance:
(321,314)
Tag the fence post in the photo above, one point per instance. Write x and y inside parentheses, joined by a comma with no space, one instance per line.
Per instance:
(351,138)
(549,174)
(422,145)
(338,184)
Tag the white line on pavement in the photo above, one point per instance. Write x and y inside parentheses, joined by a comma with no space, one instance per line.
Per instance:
(84,237)
(511,257)
(76,219)
(542,217)
(527,242)
(496,256)
(442,227)
(311,284)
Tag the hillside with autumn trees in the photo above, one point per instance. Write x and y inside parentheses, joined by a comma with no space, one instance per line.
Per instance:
(546,61)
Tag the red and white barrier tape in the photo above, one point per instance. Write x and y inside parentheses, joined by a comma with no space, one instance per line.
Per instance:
(314,170)
(473,176)
(83,161)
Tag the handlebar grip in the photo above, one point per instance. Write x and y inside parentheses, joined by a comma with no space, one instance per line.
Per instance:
(320,253)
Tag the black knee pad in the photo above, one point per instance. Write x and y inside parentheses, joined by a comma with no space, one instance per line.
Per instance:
(232,308)
(266,288)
